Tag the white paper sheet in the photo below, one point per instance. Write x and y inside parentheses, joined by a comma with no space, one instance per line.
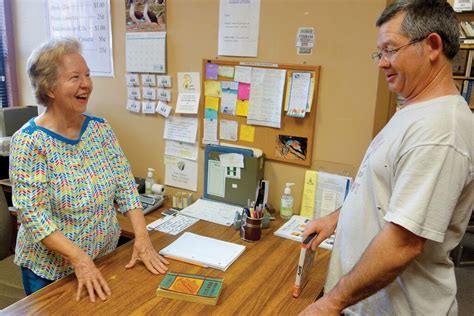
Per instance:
(229,96)
(299,94)
(228,130)
(266,97)
(210,131)
(211,211)
(305,37)
(145,52)
(180,149)
(328,203)
(163,81)
(189,82)
(132,80)
(163,94)
(189,91)
(329,185)
(183,129)
(133,106)
(148,80)
(243,74)
(215,178)
(462,5)
(232,160)
(214,253)
(90,22)
(148,107)
(149,93)
(163,109)
(133,93)
(238,27)
(181,173)
(188,103)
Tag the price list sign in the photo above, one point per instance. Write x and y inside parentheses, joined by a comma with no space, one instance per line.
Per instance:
(89,22)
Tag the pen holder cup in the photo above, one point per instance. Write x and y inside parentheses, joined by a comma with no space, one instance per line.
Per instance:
(251,229)
(238,221)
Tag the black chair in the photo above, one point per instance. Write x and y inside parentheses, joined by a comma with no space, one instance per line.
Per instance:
(11,287)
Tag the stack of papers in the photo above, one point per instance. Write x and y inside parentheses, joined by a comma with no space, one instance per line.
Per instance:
(172,224)
(211,211)
(293,229)
(205,251)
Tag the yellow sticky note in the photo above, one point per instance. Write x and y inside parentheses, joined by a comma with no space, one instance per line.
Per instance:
(212,88)
(247,133)
(242,108)
(309,192)
(212,103)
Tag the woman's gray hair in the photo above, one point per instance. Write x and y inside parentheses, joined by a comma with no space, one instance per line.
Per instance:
(43,64)
(424,17)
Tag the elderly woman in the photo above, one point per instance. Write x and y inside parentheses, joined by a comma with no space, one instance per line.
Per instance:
(67,169)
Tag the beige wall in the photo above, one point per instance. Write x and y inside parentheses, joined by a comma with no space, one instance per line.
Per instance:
(345,38)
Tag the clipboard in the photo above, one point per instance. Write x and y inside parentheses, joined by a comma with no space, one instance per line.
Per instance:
(236,190)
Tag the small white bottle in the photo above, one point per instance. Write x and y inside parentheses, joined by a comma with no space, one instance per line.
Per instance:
(286,206)
(149,181)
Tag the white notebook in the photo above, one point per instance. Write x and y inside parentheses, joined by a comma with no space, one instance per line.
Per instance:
(214,253)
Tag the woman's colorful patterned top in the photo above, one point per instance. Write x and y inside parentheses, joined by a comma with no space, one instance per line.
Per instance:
(69,186)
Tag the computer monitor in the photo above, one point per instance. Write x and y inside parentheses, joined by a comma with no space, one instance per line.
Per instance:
(13,118)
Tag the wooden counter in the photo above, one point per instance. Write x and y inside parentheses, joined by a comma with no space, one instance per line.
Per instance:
(259,282)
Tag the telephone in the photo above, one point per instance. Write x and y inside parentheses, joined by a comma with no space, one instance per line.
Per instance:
(151,202)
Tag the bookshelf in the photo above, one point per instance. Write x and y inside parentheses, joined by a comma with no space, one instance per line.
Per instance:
(463,63)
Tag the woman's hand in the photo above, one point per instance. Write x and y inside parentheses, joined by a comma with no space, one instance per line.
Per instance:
(324,227)
(144,251)
(89,276)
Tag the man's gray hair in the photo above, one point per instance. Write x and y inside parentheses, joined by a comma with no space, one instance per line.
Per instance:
(424,17)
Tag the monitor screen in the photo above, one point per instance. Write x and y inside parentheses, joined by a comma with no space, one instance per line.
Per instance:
(13,118)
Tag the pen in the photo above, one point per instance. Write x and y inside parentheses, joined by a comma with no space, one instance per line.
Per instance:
(187,261)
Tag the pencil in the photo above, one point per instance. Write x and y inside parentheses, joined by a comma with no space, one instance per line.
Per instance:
(187,261)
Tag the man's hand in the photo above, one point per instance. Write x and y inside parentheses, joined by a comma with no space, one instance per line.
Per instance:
(321,307)
(324,227)
(143,250)
(89,276)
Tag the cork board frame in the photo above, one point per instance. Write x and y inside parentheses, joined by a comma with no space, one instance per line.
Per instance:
(293,141)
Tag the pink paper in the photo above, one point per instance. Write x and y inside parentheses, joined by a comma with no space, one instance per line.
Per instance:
(244,91)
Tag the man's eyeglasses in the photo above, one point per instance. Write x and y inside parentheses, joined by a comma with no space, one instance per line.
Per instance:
(388,53)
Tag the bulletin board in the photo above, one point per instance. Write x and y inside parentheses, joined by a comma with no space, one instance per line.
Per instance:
(293,141)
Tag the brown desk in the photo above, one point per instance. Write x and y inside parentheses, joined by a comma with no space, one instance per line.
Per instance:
(259,282)
(126,228)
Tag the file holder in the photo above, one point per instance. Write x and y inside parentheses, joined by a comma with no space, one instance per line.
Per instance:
(237,191)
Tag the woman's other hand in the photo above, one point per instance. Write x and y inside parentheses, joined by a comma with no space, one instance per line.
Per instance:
(144,251)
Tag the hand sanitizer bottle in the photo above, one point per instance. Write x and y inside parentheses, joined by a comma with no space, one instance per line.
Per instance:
(149,181)
(286,206)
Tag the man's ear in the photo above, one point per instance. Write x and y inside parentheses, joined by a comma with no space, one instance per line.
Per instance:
(435,44)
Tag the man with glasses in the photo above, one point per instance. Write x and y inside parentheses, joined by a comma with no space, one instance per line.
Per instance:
(413,195)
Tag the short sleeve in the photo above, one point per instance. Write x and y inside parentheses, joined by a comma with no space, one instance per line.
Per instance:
(126,194)
(428,181)
(28,173)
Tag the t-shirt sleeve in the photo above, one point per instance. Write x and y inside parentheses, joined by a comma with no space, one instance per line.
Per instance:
(28,173)
(126,194)
(428,181)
